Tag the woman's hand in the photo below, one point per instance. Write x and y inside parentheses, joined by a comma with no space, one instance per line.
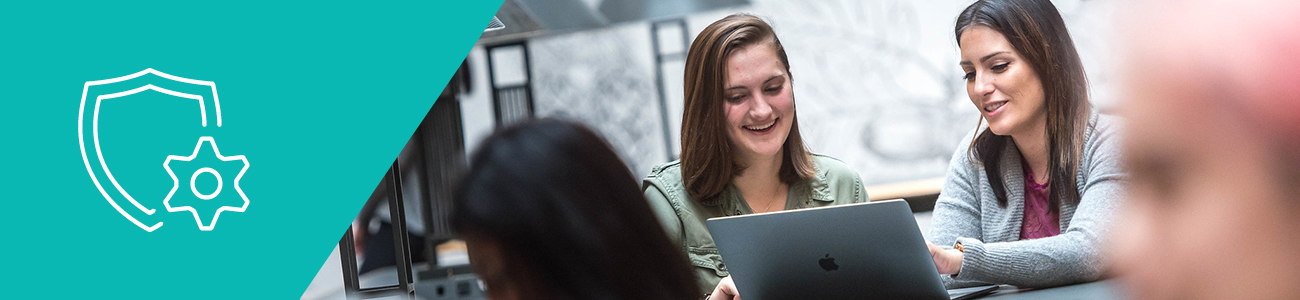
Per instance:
(726,290)
(948,261)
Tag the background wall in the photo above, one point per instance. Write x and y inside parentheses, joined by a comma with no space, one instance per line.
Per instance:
(876,82)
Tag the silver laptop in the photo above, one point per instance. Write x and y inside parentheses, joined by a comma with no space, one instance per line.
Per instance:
(857,251)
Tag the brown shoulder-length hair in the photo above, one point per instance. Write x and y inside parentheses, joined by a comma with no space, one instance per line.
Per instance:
(708,163)
(1035,29)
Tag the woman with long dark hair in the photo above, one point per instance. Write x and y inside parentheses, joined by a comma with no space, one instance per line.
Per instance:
(1026,203)
(548,211)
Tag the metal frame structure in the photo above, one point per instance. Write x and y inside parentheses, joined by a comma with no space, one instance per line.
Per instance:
(443,143)
(660,58)
(440,148)
(348,255)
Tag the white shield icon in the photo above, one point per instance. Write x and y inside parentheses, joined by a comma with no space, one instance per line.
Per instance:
(204,93)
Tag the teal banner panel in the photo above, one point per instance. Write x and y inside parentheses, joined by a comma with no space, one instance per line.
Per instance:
(204,149)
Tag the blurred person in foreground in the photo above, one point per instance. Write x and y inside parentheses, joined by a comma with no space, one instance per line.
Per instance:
(1213,95)
(548,211)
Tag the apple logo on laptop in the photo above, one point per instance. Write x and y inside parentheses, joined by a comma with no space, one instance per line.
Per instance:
(828,263)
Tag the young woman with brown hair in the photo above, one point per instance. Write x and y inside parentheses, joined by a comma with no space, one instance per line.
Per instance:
(1027,202)
(741,148)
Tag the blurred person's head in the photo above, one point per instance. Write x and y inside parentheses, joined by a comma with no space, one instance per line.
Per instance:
(1213,146)
(1025,77)
(739,107)
(548,211)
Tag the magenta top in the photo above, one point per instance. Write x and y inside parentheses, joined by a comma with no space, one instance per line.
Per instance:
(1040,220)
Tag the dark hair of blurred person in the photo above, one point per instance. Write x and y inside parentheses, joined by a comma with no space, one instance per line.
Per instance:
(548,211)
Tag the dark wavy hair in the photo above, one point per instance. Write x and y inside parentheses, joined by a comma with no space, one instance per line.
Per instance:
(1037,32)
(564,208)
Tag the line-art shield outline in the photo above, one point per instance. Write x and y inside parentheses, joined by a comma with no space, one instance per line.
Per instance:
(81,133)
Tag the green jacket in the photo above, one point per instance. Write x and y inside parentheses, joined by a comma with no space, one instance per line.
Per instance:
(683,217)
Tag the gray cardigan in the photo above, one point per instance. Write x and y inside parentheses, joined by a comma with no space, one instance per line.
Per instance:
(968,211)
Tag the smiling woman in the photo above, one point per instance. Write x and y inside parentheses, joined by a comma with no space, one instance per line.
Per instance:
(1026,203)
(741,148)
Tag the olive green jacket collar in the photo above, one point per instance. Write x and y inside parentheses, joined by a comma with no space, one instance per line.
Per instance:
(817,188)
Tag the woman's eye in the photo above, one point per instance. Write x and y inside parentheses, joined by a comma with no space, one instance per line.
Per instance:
(1000,67)
(969,76)
(772,89)
(736,99)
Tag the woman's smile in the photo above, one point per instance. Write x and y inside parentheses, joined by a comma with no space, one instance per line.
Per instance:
(762,128)
(992,108)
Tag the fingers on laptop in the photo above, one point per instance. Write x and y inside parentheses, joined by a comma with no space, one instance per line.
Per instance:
(726,290)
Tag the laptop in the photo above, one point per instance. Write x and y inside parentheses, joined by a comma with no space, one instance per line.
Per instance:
(857,251)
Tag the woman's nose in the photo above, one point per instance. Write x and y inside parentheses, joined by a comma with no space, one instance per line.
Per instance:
(761,108)
(983,85)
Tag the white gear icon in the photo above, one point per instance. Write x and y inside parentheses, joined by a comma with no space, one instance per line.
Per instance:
(177,183)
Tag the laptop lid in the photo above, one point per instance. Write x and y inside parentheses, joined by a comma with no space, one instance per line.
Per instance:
(857,251)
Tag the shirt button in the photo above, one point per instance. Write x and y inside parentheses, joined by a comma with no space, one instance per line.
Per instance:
(737,212)
(722,266)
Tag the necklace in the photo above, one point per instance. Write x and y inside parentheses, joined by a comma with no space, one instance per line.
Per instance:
(768,207)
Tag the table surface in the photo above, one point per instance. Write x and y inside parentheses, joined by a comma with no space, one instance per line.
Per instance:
(923,187)
(1105,289)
